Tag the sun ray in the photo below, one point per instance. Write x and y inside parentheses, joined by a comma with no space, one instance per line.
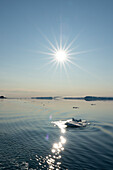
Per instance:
(78,53)
(81,68)
(72,49)
(60,36)
(65,44)
(71,43)
(46,64)
(51,66)
(50,43)
(56,43)
(64,66)
(46,53)
(52,50)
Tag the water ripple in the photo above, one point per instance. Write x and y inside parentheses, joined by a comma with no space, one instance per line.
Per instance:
(28,140)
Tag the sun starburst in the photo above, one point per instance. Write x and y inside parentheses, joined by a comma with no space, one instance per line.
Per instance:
(59,54)
(63,53)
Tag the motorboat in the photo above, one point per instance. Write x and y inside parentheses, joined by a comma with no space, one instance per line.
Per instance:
(76,123)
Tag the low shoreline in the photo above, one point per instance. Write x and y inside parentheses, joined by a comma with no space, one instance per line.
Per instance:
(86,98)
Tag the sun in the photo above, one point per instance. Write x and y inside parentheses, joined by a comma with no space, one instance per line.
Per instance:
(61,55)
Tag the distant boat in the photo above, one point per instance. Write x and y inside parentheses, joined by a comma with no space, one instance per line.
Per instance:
(75,107)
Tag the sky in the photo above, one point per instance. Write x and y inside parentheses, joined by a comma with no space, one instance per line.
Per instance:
(31,31)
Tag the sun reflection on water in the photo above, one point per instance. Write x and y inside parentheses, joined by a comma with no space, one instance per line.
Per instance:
(53,160)
(61,125)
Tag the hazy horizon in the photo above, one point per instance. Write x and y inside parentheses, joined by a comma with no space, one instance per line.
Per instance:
(24,94)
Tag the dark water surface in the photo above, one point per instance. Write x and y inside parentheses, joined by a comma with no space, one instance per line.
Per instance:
(28,139)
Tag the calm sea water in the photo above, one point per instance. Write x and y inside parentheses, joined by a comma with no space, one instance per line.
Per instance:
(28,139)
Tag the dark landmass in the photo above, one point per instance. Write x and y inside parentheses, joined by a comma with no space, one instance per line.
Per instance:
(86,98)
(47,98)
(74,98)
(93,98)
(2,97)
(89,98)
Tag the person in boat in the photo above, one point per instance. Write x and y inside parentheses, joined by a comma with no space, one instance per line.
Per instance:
(79,120)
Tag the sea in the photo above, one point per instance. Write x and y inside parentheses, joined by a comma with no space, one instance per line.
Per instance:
(30,140)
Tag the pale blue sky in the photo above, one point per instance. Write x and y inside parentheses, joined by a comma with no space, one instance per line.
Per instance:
(24,70)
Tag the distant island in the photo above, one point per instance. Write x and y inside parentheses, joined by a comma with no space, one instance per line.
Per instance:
(47,98)
(86,98)
(93,98)
(74,98)
(2,97)
(89,98)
